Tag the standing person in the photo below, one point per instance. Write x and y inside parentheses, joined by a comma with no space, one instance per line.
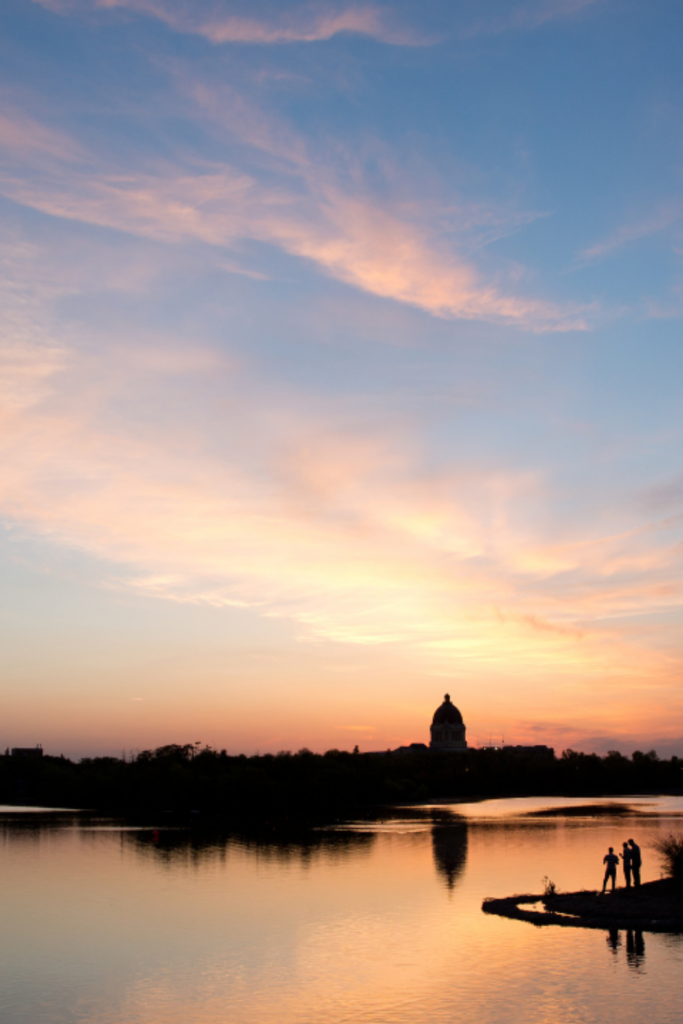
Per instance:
(612,861)
(636,861)
(626,857)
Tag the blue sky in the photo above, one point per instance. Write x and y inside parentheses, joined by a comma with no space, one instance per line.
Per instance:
(342,366)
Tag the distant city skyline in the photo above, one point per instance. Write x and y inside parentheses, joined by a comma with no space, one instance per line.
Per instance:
(341,368)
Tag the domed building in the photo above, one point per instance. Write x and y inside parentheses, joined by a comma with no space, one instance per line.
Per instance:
(448,728)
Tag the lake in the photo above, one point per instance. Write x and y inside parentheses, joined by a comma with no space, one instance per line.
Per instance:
(376,922)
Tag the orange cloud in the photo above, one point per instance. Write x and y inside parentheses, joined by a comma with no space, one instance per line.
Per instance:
(304,515)
(388,249)
(349,238)
(265,499)
(344,534)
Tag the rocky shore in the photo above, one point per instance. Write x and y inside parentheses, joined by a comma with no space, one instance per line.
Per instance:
(653,907)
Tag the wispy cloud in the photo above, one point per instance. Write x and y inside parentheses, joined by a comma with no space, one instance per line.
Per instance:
(538,13)
(220,23)
(22,136)
(633,232)
(344,534)
(30,357)
(425,503)
(665,496)
(191,478)
(525,17)
(217,22)
(235,268)
(349,238)
(354,238)
(266,501)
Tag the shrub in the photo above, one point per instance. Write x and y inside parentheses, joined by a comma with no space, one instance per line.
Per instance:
(670,850)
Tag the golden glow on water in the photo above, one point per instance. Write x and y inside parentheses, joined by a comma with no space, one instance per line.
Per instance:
(106,926)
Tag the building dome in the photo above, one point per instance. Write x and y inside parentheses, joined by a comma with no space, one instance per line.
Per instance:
(447,713)
(448,728)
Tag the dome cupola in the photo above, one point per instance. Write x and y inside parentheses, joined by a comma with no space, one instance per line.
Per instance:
(448,728)
(447,713)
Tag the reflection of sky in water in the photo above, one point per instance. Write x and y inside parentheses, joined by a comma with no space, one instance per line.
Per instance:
(524,805)
(371,925)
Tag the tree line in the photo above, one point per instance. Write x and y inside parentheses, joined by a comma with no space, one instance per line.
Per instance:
(201,783)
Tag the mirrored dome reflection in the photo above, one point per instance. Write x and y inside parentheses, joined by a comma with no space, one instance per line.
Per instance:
(449,846)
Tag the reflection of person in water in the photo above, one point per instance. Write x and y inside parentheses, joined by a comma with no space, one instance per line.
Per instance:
(449,846)
(635,948)
(612,861)
(636,861)
(626,863)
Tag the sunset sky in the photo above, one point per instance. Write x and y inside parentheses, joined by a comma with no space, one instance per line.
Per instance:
(341,367)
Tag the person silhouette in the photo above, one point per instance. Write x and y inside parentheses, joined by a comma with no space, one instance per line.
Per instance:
(636,861)
(611,860)
(626,857)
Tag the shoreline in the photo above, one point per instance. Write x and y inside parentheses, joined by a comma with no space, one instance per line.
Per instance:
(653,907)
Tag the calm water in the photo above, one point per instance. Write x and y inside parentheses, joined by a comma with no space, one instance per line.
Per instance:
(376,923)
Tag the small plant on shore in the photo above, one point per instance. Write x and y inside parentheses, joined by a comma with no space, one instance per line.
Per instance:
(549,888)
(670,850)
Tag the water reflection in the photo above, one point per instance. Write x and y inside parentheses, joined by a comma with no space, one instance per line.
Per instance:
(449,847)
(110,923)
(304,846)
(635,946)
(32,829)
